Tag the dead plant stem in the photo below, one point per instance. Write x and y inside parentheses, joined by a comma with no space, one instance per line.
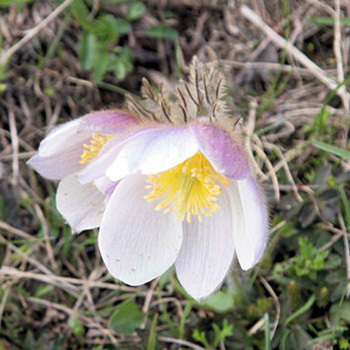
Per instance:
(33,32)
(294,52)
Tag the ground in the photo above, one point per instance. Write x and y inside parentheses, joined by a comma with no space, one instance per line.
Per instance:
(286,64)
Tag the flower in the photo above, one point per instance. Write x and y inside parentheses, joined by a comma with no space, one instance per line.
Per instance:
(166,179)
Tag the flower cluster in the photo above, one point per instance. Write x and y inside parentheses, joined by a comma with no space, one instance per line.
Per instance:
(166,180)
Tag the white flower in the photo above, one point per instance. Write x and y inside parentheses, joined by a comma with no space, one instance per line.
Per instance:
(166,182)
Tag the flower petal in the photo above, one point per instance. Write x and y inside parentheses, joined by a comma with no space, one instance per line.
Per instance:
(108,121)
(222,150)
(62,137)
(81,205)
(250,210)
(60,152)
(58,166)
(153,150)
(105,185)
(97,168)
(207,252)
(136,242)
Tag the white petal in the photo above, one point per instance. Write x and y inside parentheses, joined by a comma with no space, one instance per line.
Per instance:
(153,150)
(60,152)
(98,167)
(250,211)
(207,252)
(62,137)
(59,165)
(136,242)
(105,185)
(81,205)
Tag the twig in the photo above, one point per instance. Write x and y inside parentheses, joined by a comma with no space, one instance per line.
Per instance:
(256,326)
(33,32)
(293,51)
(5,295)
(147,302)
(181,342)
(15,148)
(347,252)
(337,47)
(340,69)
(286,68)
(270,146)
(45,228)
(22,155)
(15,231)
(57,280)
(277,304)
(271,174)
(76,314)
(289,156)
(49,278)
(249,146)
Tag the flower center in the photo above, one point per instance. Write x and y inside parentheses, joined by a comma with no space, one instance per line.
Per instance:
(190,188)
(92,149)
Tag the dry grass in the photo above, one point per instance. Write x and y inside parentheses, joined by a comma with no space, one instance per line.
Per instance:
(282,69)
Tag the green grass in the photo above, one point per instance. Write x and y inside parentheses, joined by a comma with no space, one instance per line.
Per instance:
(54,290)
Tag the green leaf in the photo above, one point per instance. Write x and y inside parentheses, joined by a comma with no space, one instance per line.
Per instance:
(201,337)
(76,326)
(49,91)
(43,290)
(121,63)
(121,26)
(3,87)
(88,50)
(302,310)
(82,15)
(127,318)
(344,343)
(183,319)
(332,149)
(329,21)
(136,10)
(101,64)
(222,334)
(219,302)
(162,32)
(267,332)
(306,247)
(346,204)
(152,340)
(110,28)
(120,69)
(6,3)
(339,312)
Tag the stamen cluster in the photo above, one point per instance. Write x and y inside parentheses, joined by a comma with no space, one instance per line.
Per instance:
(189,189)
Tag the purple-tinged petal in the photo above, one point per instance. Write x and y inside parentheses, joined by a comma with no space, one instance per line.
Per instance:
(60,152)
(153,150)
(81,205)
(108,122)
(97,168)
(250,212)
(61,138)
(105,185)
(137,243)
(222,150)
(58,166)
(207,252)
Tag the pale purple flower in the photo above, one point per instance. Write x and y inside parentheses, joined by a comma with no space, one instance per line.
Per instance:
(166,182)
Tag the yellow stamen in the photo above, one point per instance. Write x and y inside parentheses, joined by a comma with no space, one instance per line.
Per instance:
(92,149)
(190,188)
